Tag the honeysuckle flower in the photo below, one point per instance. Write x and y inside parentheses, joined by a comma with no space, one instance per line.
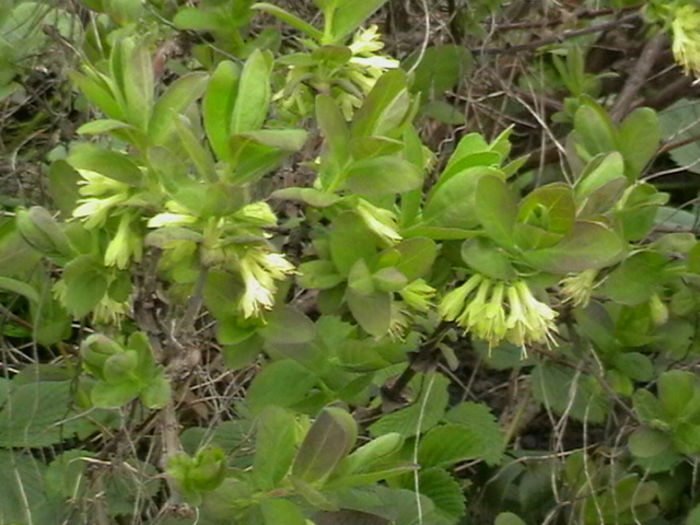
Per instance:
(578,287)
(685,27)
(495,311)
(171,219)
(418,295)
(379,220)
(259,270)
(366,41)
(491,326)
(452,304)
(540,317)
(109,311)
(400,320)
(94,211)
(94,184)
(124,246)
(258,213)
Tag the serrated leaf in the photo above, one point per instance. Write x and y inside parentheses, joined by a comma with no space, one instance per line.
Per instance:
(479,420)
(444,491)
(431,403)
(445,445)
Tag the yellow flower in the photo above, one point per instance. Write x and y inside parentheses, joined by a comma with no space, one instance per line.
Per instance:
(686,37)
(500,311)
(578,287)
(379,220)
(259,270)
(418,295)
(124,246)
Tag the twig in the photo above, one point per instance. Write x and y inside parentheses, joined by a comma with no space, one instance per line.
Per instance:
(565,35)
(637,76)
(574,16)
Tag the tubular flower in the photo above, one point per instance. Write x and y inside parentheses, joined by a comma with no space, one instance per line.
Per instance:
(96,206)
(418,295)
(124,246)
(400,320)
(499,311)
(578,287)
(259,270)
(686,37)
(379,220)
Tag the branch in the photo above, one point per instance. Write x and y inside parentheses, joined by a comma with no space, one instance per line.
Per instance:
(637,77)
(586,13)
(565,35)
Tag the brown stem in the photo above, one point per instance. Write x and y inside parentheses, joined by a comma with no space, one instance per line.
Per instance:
(588,13)
(637,77)
(565,35)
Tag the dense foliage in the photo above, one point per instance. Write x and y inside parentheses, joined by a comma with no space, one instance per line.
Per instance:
(352,262)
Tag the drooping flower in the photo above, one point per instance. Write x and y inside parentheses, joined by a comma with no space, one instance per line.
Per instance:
(381,221)
(124,246)
(496,311)
(418,295)
(685,27)
(578,287)
(259,270)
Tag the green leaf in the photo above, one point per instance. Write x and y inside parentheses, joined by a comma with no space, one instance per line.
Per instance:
(350,15)
(334,130)
(372,312)
(636,279)
(285,139)
(289,18)
(444,491)
(217,107)
(329,440)
(310,196)
(382,176)
(176,99)
(63,186)
(349,241)
(281,383)
(508,518)
(429,408)
(275,446)
(289,326)
(445,445)
(385,107)
(589,246)
(21,288)
(496,209)
(452,204)
(416,257)
(679,122)
(647,442)
(552,386)
(198,154)
(31,412)
(550,207)
(253,99)
(594,128)
(478,419)
(440,69)
(113,395)
(112,164)
(97,127)
(639,140)
(276,511)
(85,285)
(677,388)
(483,256)
(601,170)
(98,92)
(158,392)
(23,498)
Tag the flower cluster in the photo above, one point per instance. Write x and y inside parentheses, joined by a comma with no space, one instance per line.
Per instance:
(259,270)
(495,311)
(685,26)
(578,287)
